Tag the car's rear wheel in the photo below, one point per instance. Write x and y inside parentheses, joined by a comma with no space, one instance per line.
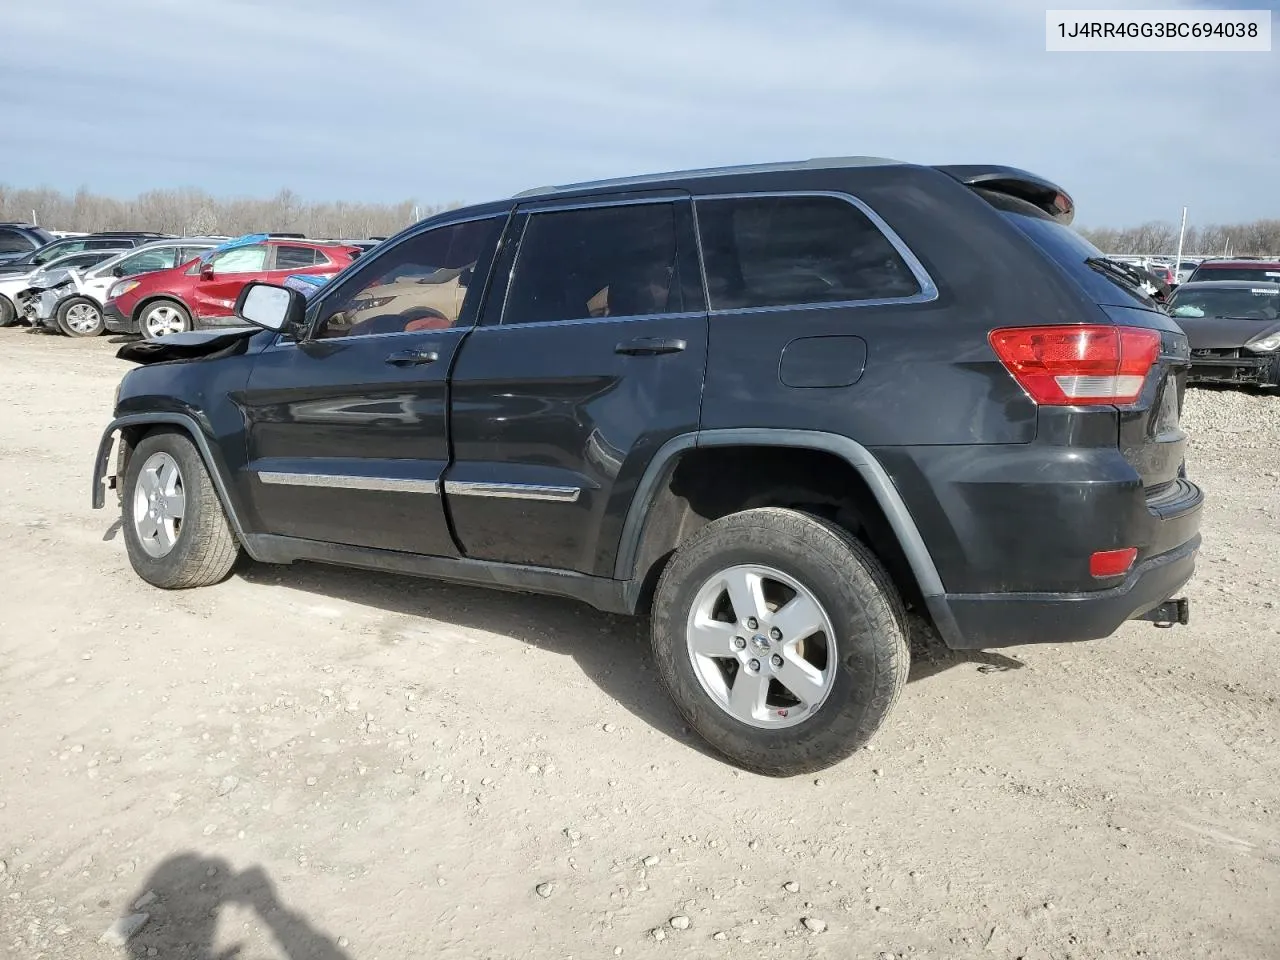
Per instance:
(781,639)
(175,531)
(8,312)
(162,318)
(80,317)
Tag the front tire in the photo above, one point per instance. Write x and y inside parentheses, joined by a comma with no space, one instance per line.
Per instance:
(8,312)
(162,318)
(175,531)
(781,639)
(80,317)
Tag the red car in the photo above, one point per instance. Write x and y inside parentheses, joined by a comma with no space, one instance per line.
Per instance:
(202,293)
(1253,271)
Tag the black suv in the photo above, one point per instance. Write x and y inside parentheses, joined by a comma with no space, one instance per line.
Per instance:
(775,407)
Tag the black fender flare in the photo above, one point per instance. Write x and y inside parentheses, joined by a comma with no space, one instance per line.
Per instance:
(188,424)
(857,456)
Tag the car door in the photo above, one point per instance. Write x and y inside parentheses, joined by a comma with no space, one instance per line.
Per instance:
(347,430)
(215,296)
(588,361)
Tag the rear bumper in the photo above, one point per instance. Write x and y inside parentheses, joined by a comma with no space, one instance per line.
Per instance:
(117,322)
(983,621)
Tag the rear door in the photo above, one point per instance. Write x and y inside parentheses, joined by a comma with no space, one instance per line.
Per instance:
(588,361)
(347,432)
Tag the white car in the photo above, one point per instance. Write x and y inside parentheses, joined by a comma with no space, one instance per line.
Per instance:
(15,288)
(73,304)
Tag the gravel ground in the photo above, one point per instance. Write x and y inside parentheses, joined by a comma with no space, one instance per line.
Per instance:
(311,762)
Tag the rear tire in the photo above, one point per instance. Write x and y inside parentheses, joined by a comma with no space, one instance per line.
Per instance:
(80,317)
(8,312)
(160,318)
(175,531)
(848,681)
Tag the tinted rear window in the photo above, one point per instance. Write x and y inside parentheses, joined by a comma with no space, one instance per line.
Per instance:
(792,251)
(1071,252)
(295,258)
(1252,274)
(11,241)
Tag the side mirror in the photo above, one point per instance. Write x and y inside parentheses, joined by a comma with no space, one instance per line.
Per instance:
(117,271)
(206,271)
(271,307)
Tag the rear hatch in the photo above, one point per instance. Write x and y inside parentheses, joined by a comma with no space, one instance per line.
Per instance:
(1149,433)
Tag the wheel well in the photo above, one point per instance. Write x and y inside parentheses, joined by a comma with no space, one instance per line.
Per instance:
(712,482)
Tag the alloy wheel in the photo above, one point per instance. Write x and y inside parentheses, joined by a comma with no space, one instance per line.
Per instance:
(159,504)
(83,318)
(761,646)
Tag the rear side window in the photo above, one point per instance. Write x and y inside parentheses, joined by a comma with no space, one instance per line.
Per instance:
(791,251)
(11,241)
(295,258)
(598,262)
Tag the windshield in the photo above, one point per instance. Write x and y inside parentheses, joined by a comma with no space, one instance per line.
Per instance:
(1255,274)
(1252,303)
(52,252)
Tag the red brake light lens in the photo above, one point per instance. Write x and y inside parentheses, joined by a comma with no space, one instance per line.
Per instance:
(1078,365)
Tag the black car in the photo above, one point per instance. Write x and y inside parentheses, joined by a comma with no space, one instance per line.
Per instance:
(1234,330)
(109,240)
(19,239)
(775,407)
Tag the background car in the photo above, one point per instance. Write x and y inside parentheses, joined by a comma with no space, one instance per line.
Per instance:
(74,306)
(1186,268)
(1234,330)
(14,288)
(203,293)
(1260,271)
(19,239)
(60,248)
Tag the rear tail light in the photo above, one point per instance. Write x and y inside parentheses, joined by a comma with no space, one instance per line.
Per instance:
(1078,365)
(1112,563)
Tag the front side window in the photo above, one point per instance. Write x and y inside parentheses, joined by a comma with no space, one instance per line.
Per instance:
(54,251)
(11,241)
(598,262)
(241,260)
(791,251)
(419,284)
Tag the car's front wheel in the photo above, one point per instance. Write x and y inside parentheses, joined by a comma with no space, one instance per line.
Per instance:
(175,531)
(781,639)
(80,317)
(162,318)
(8,312)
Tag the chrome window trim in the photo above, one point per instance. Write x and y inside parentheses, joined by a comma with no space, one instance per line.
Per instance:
(343,481)
(682,315)
(928,289)
(513,491)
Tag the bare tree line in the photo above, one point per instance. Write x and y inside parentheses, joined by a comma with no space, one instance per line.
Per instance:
(192,212)
(1259,238)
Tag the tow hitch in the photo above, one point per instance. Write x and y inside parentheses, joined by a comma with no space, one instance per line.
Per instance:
(1169,613)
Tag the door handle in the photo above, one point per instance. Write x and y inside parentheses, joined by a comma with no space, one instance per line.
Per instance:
(650,346)
(412,358)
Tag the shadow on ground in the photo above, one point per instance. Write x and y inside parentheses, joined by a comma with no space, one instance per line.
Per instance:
(182,900)
(612,651)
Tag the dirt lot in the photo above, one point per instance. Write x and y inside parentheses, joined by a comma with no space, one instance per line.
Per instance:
(311,762)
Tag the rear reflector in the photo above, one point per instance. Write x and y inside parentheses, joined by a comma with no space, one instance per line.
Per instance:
(1078,365)
(1112,563)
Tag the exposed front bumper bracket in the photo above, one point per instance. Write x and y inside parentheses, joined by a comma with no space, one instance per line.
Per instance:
(1169,613)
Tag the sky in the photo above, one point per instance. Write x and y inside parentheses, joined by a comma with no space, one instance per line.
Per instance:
(386,100)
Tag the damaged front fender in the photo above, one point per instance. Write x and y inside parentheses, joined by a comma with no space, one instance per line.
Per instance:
(184,347)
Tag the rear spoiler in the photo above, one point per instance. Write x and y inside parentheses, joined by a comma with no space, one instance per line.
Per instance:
(1037,191)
